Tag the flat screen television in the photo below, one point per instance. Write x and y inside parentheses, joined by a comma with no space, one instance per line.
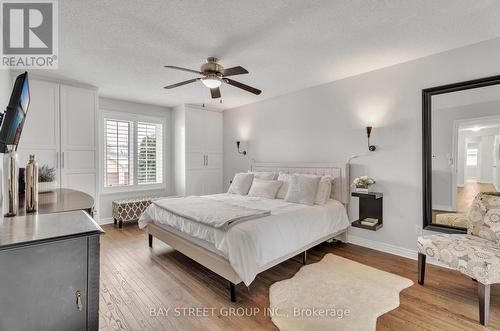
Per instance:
(15,114)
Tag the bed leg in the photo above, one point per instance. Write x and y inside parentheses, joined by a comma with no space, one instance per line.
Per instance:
(232,291)
(150,239)
(304,258)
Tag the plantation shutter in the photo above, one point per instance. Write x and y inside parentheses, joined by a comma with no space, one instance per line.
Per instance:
(118,160)
(149,153)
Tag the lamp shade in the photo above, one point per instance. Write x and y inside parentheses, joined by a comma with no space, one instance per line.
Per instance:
(211,82)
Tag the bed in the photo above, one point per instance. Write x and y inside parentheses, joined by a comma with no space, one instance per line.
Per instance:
(247,248)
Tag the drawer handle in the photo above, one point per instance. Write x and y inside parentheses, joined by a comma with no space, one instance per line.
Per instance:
(79,305)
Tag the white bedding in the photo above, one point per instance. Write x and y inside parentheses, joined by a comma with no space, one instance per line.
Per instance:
(251,245)
(212,212)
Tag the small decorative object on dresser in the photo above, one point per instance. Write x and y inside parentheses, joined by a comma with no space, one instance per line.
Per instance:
(31,183)
(363,183)
(46,179)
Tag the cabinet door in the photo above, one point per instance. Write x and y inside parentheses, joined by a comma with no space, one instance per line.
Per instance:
(214,160)
(195,160)
(39,286)
(195,130)
(40,134)
(212,182)
(78,139)
(195,182)
(212,132)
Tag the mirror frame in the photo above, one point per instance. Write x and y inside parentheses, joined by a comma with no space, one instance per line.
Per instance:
(427,144)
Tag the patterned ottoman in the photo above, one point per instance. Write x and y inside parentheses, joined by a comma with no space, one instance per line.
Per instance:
(130,209)
(458,220)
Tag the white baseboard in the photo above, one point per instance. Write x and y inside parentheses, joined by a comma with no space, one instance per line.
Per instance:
(383,247)
(391,249)
(107,220)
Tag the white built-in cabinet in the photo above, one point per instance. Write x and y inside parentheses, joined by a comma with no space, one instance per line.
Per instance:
(60,129)
(198,144)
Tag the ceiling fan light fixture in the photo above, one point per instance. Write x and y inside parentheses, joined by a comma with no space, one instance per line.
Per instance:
(211,81)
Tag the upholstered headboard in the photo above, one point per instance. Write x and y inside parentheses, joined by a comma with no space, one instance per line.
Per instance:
(340,171)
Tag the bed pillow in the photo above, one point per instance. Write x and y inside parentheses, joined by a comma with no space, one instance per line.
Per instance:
(285,178)
(266,175)
(241,184)
(264,188)
(324,190)
(302,189)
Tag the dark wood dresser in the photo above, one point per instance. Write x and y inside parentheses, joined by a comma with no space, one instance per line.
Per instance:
(49,266)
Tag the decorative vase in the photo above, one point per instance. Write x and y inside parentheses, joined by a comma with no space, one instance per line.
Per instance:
(31,183)
(46,186)
(362,188)
(10,203)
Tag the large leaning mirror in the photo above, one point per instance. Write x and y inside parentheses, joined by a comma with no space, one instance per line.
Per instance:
(461,150)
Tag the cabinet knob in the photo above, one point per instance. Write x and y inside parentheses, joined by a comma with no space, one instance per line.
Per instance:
(79,305)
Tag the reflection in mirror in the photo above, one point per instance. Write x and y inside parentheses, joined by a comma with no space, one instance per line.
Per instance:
(465,151)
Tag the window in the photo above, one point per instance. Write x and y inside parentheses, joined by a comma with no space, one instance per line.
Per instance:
(118,154)
(133,152)
(471,157)
(149,153)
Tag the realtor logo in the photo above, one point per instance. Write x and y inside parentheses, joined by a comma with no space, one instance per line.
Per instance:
(29,34)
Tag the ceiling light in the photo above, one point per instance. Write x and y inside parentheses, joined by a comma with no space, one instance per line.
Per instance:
(211,81)
(475,129)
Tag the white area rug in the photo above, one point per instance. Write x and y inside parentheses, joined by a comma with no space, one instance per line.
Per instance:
(335,294)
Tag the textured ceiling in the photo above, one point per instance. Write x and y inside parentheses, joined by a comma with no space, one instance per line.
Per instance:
(120,46)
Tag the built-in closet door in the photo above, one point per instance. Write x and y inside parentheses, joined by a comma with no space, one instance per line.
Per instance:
(213,181)
(212,132)
(195,136)
(40,134)
(213,151)
(78,139)
(203,151)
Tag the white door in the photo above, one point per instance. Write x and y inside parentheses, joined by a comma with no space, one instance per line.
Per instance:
(40,134)
(78,139)
(212,182)
(203,152)
(195,182)
(195,130)
(212,126)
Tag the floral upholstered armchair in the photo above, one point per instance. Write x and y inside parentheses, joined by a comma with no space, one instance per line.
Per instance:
(476,254)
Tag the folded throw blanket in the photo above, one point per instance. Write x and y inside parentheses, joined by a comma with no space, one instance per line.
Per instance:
(217,214)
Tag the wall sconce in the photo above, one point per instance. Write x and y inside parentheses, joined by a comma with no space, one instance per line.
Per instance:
(371,148)
(238,146)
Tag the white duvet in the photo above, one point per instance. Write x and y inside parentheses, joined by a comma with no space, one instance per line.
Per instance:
(251,245)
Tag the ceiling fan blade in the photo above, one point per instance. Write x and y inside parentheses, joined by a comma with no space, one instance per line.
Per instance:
(215,93)
(243,86)
(182,83)
(234,71)
(184,69)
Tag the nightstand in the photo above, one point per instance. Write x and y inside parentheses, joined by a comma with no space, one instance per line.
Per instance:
(370,206)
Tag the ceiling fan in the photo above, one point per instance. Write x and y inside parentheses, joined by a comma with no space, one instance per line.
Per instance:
(214,75)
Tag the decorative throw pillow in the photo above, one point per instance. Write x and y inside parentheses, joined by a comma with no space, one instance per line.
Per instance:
(266,175)
(285,178)
(302,189)
(241,184)
(264,188)
(324,190)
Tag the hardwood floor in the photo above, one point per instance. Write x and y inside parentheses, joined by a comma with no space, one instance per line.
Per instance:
(467,193)
(465,196)
(135,279)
